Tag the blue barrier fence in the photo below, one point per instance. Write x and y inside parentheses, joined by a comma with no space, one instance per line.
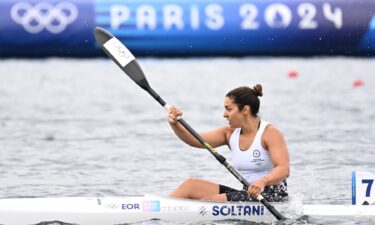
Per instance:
(189,27)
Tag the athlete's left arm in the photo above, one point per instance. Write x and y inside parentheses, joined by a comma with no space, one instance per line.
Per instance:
(274,141)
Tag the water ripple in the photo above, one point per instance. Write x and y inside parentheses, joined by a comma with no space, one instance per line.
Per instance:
(82,128)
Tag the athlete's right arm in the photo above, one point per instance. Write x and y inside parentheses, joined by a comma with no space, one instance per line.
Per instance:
(215,138)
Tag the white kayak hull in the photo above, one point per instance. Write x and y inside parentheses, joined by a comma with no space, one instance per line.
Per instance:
(120,210)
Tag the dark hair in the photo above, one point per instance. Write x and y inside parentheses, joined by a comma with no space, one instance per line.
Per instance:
(245,95)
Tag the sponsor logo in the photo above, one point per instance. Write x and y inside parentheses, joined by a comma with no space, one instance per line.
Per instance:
(151,206)
(111,206)
(178,208)
(238,210)
(130,206)
(44,15)
(203,211)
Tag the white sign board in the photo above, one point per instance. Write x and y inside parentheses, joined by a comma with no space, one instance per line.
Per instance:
(363,188)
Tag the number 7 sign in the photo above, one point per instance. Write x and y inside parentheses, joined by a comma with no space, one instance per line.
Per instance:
(363,188)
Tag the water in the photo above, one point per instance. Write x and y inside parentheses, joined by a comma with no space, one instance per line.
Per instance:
(77,127)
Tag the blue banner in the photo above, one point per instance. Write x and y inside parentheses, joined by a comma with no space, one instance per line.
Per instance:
(189,27)
(46,28)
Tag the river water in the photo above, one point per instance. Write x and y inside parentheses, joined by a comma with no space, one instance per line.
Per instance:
(80,127)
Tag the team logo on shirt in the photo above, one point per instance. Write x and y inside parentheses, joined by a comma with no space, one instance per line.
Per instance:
(256,153)
(257,160)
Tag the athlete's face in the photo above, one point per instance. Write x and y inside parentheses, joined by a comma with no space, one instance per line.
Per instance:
(232,113)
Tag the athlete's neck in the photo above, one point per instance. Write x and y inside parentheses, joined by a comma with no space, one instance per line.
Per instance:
(251,126)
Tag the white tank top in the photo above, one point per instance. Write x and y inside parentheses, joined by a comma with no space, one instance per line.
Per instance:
(252,163)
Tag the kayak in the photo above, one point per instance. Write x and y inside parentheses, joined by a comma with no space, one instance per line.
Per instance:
(132,209)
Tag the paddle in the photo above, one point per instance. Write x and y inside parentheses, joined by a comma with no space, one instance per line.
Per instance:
(127,62)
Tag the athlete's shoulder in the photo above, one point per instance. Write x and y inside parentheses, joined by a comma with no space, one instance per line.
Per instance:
(272,130)
(226,129)
(272,135)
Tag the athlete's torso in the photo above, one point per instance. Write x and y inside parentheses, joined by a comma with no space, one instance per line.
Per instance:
(252,163)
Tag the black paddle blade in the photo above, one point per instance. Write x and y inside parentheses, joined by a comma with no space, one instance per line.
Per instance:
(121,56)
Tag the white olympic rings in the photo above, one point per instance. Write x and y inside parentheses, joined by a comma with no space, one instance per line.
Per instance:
(44,15)
(121,51)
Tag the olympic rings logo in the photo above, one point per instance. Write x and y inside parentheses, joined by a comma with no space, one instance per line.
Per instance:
(121,51)
(44,16)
